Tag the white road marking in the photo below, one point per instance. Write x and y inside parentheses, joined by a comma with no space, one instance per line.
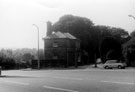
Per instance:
(14,82)
(68,78)
(128,83)
(55,88)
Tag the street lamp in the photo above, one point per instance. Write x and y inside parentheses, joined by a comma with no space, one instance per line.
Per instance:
(132,16)
(38,45)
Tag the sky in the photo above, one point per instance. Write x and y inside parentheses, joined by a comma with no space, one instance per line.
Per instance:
(18,16)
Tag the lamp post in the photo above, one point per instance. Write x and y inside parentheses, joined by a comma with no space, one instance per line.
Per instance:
(38,45)
(132,16)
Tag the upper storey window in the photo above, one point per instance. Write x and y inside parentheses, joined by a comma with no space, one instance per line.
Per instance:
(55,44)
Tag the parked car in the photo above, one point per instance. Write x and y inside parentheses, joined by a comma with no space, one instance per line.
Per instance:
(114,64)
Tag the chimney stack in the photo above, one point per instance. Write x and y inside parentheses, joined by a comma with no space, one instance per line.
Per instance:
(49,28)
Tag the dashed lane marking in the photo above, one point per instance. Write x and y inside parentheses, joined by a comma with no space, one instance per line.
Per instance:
(68,78)
(14,82)
(128,83)
(60,89)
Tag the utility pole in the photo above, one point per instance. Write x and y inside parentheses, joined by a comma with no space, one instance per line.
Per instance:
(38,45)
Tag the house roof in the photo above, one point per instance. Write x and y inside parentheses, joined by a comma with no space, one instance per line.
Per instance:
(60,35)
(68,35)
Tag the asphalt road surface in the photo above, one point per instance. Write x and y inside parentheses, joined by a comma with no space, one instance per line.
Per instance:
(77,80)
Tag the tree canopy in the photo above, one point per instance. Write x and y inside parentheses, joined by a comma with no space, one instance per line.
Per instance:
(110,48)
(91,35)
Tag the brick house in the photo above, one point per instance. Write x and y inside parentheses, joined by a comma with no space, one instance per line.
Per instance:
(62,49)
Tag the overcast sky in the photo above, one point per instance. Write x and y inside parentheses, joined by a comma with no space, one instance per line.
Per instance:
(17,17)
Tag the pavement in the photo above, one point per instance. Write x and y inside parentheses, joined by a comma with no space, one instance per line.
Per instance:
(92,66)
(99,66)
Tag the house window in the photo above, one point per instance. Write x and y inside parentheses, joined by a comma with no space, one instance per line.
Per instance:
(55,57)
(55,54)
(77,45)
(55,44)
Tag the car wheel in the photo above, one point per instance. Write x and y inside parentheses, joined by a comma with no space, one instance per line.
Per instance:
(119,67)
(106,67)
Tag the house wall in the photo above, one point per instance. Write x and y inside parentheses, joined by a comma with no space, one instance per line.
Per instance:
(65,50)
(62,43)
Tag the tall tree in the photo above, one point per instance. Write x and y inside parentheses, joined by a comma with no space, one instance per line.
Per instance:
(132,34)
(129,51)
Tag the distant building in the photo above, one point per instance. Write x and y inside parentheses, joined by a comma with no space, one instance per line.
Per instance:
(61,49)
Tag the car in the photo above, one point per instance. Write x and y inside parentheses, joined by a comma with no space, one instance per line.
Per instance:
(109,64)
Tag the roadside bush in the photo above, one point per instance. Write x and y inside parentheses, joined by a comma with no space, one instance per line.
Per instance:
(8,63)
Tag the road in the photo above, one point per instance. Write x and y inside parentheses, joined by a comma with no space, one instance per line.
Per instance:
(76,80)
